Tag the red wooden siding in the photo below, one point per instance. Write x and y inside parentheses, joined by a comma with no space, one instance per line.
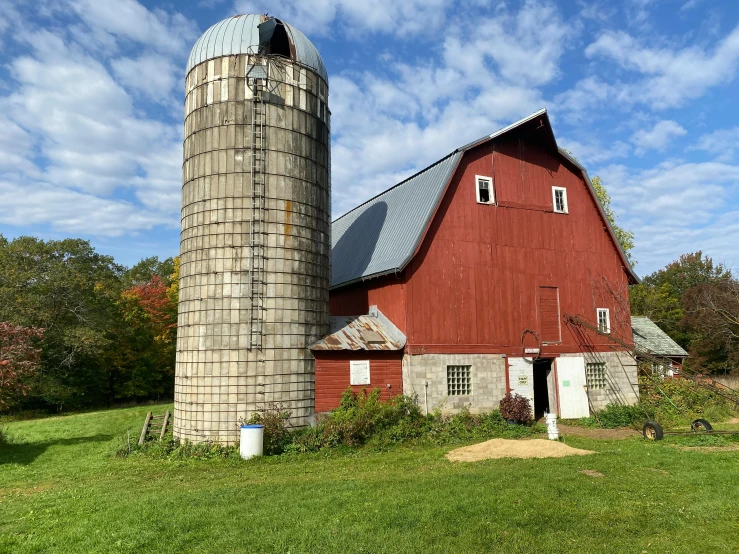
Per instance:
(388,293)
(332,375)
(474,285)
(549,311)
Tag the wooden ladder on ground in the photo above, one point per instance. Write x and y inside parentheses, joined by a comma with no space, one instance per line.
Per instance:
(154,424)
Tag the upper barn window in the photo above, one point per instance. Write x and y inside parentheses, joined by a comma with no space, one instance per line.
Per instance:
(559,199)
(485,193)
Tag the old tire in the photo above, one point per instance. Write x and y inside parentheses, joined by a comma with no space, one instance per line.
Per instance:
(701,425)
(653,431)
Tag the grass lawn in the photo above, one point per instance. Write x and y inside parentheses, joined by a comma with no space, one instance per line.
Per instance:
(63,490)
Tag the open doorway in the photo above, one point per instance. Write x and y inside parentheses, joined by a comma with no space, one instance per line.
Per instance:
(544,400)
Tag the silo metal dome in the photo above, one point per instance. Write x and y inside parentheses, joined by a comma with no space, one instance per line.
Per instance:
(240,35)
(255,227)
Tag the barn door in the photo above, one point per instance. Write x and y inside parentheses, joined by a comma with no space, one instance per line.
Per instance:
(573,397)
(521,378)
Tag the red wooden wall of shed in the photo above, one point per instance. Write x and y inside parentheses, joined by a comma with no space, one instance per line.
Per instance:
(474,284)
(332,375)
(387,293)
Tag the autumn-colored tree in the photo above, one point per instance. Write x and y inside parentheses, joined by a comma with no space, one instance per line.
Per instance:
(19,361)
(146,355)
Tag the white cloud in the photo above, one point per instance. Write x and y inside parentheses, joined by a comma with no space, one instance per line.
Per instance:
(80,151)
(152,75)
(75,212)
(593,152)
(317,18)
(658,137)
(127,19)
(388,127)
(674,208)
(724,143)
(671,77)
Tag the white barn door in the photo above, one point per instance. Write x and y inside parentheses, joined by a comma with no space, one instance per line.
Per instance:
(573,397)
(521,378)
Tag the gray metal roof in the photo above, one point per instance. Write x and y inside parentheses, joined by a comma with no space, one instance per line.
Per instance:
(380,236)
(373,331)
(649,337)
(240,35)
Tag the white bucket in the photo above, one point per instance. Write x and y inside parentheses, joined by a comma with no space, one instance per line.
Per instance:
(252,441)
(552,427)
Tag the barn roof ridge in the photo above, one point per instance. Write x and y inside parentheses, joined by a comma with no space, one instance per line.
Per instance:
(356,256)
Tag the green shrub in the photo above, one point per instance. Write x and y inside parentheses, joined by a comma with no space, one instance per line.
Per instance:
(614,416)
(687,401)
(276,422)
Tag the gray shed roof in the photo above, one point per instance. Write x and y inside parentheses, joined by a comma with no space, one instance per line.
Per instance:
(649,337)
(380,236)
(373,331)
(240,35)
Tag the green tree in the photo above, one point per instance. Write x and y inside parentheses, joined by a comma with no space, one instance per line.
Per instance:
(625,237)
(669,297)
(68,289)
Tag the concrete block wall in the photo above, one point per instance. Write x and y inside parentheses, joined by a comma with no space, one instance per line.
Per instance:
(217,378)
(488,381)
(622,380)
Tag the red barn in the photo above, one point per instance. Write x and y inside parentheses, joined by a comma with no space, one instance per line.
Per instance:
(494,269)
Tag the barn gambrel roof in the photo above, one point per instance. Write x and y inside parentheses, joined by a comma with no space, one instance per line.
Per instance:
(381,236)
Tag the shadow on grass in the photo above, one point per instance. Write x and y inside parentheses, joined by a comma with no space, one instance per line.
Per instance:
(26,452)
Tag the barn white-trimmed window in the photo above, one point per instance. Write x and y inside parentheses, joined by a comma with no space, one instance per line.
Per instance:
(604,320)
(458,380)
(559,199)
(484,188)
(595,375)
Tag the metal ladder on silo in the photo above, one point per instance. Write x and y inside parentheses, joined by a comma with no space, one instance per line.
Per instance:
(257,225)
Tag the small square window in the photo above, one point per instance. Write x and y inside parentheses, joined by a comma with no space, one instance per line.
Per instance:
(458,380)
(595,376)
(604,320)
(485,193)
(559,200)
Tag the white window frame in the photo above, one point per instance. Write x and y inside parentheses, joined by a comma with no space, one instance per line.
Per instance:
(479,178)
(607,313)
(564,200)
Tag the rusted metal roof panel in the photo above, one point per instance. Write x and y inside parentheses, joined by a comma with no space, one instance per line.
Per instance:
(361,332)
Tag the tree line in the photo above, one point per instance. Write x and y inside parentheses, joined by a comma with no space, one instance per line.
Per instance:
(79,330)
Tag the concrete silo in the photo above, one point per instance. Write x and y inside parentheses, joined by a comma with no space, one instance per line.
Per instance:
(255,246)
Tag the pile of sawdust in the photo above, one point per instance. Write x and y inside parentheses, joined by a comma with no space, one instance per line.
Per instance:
(503,448)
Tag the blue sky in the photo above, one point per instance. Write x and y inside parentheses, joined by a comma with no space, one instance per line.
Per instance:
(644,94)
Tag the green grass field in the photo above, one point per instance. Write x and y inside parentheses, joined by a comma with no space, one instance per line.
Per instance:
(63,490)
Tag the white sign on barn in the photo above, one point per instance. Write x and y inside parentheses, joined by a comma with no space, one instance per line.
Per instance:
(359,372)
